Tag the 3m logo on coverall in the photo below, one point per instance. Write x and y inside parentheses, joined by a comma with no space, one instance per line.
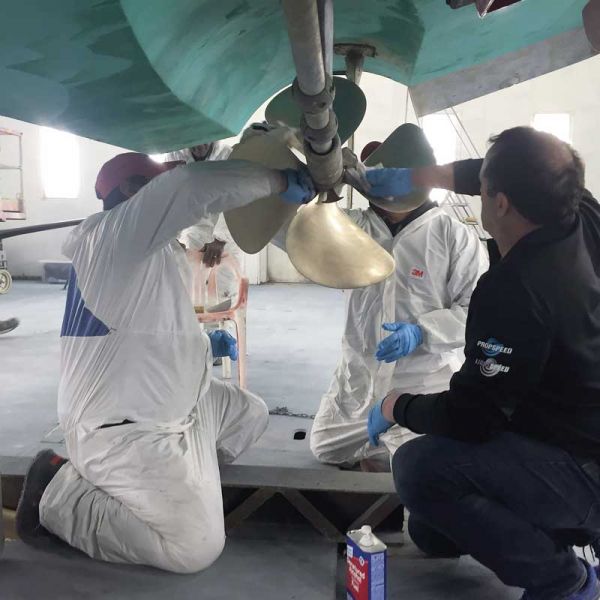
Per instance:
(493,347)
(417,273)
(490,368)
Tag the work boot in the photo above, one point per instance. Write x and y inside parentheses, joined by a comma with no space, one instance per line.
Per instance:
(590,589)
(8,325)
(43,468)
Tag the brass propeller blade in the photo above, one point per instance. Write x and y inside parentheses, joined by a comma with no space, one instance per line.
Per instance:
(406,146)
(327,247)
(253,226)
(349,106)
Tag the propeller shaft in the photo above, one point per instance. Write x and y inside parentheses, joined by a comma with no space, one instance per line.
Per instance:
(310,30)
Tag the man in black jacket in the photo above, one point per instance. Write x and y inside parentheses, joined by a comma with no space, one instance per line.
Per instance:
(508,471)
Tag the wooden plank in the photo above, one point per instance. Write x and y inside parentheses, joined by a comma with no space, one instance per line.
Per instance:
(247,507)
(314,516)
(234,475)
(307,479)
(377,512)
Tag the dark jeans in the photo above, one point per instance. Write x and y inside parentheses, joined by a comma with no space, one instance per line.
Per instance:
(514,504)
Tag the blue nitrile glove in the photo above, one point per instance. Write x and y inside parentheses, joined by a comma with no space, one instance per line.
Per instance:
(223,344)
(300,188)
(377,423)
(390,182)
(404,340)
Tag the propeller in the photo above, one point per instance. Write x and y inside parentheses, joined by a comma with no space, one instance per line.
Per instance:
(406,146)
(323,243)
(327,247)
(349,105)
(253,226)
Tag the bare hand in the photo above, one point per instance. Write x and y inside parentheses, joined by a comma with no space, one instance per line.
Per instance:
(387,408)
(212,253)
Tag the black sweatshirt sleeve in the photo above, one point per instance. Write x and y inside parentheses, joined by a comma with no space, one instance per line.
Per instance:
(507,346)
(466,181)
(466,177)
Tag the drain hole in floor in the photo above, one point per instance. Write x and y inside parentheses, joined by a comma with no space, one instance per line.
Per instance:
(300,434)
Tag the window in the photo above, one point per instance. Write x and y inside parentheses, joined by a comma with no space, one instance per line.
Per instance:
(558,124)
(441,134)
(60,163)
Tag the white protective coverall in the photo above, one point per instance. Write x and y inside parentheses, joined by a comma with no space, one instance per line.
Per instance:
(213,226)
(438,263)
(148,491)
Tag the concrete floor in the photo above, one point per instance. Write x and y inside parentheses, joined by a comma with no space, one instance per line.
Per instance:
(294,335)
(285,365)
(300,568)
(249,567)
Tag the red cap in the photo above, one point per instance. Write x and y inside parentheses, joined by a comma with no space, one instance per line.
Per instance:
(368,150)
(118,169)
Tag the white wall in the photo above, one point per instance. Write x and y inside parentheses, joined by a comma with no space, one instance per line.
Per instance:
(24,252)
(575,90)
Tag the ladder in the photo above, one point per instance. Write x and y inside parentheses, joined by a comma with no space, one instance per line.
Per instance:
(13,208)
(459,204)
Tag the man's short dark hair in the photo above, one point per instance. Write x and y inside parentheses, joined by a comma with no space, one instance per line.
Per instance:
(542,176)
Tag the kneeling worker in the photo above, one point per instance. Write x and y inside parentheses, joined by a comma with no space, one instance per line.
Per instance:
(144,422)
(406,332)
(509,470)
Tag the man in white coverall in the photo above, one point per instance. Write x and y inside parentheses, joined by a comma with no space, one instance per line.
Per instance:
(406,332)
(145,424)
(211,234)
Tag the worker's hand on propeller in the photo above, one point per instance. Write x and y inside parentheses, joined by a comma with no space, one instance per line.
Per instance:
(223,344)
(387,183)
(300,187)
(212,253)
(405,338)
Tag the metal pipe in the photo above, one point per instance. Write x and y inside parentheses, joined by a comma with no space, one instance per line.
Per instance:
(321,148)
(302,18)
(310,29)
(304,30)
(354,60)
(317,121)
(7,233)
(326,28)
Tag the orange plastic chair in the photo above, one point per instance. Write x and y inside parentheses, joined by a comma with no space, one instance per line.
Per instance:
(208,304)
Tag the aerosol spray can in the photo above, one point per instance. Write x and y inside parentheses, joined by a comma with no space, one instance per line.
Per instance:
(366,564)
